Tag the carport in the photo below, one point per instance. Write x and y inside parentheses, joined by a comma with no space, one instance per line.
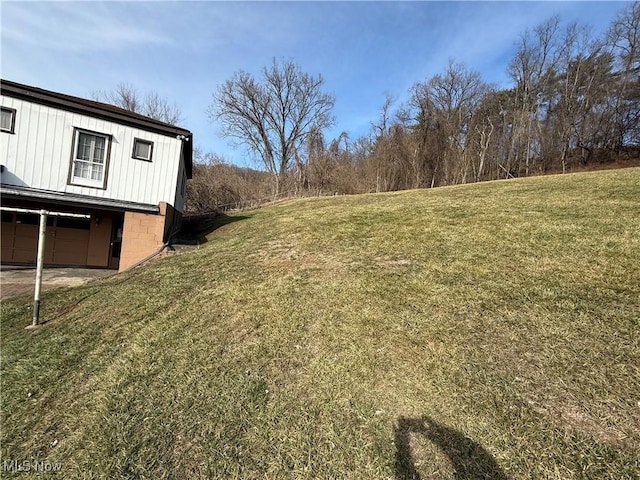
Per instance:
(92,241)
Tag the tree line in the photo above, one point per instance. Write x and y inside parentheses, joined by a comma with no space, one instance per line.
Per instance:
(574,100)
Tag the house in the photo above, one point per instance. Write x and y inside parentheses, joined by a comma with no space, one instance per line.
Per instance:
(60,153)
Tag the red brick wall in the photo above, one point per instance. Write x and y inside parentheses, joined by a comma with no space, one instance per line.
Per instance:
(143,234)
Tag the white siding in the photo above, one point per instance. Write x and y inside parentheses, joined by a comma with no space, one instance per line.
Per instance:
(39,153)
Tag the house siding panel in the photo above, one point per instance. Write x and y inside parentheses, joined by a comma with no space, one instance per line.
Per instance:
(45,135)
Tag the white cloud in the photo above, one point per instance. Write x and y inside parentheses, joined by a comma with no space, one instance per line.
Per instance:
(75,27)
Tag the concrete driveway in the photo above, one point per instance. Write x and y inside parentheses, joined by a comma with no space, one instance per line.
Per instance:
(16,280)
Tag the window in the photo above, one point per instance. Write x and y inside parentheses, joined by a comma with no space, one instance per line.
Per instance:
(142,149)
(90,159)
(8,120)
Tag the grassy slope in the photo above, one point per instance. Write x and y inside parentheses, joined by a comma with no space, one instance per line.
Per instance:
(490,329)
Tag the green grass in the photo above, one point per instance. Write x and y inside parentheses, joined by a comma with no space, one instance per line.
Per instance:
(483,331)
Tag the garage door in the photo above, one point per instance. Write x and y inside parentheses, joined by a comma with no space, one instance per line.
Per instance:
(67,239)
(70,241)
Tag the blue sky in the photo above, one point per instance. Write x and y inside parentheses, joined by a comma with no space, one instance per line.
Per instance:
(184,50)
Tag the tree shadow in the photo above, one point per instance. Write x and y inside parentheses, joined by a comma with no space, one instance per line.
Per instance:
(195,228)
(468,458)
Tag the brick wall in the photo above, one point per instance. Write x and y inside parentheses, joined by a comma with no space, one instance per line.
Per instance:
(143,234)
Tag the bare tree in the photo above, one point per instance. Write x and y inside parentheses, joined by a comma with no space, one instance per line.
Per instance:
(624,39)
(274,114)
(157,107)
(576,111)
(381,158)
(573,98)
(151,105)
(320,163)
(533,69)
(443,108)
(485,141)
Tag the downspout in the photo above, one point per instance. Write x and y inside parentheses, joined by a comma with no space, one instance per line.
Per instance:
(147,258)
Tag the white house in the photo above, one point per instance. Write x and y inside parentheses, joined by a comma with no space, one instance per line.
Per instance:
(69,154)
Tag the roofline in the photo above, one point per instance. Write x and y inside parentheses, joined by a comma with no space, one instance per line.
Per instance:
(102,111)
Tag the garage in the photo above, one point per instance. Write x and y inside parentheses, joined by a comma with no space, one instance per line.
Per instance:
(69,241)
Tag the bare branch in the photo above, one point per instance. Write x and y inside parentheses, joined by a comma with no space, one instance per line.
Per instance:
(152,105)
(273,115)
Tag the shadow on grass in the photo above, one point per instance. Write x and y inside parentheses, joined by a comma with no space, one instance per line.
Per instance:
(195,229)
(469,460)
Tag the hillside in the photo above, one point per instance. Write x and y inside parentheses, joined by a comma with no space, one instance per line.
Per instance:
(491,330)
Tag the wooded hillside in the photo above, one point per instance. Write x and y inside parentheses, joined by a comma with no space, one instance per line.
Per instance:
(574,104)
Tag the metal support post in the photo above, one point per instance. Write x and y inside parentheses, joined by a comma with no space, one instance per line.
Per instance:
(39,266)
(40,255)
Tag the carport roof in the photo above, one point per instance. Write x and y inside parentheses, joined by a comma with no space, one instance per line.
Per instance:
(71,199)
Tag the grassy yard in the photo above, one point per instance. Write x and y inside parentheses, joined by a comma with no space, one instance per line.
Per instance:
(480,331)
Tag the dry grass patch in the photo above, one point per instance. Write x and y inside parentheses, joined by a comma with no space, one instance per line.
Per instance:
(483,331)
